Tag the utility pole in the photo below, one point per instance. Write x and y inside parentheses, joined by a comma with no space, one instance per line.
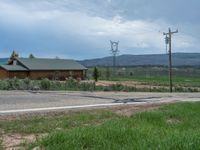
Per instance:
(168,41)
(114,50)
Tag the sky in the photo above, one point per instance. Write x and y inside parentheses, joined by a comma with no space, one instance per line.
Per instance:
(82,29)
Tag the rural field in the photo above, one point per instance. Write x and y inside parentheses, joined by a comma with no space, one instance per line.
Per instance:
(147,78)
(154,74)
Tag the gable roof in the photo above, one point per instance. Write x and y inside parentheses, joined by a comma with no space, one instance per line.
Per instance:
(13,68)
(50,64)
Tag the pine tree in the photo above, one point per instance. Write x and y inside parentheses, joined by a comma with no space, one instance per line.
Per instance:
(31,56)
(96,74)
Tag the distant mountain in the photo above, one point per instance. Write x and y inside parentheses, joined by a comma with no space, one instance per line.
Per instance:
(3,60)
(178,59)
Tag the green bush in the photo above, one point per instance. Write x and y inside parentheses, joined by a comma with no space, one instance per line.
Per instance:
(179,89)
(13,84)
(56,85)
(87,86)
(117,87)
(27,83)
(45,84)
(192,89)
(71,84)
(4,85)
(74,85)
(107,89)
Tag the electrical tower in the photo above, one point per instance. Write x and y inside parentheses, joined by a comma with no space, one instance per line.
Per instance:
(168,41)
(114,51)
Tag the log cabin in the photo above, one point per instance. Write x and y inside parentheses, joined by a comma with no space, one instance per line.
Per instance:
(39,68)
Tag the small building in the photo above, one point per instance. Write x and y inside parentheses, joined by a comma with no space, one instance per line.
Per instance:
(38,68)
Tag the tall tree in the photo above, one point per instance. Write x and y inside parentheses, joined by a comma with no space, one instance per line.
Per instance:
(31,56)
(96,74)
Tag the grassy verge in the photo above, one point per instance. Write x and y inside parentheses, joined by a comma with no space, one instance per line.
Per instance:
(174,126)
(53,122)
(171,127)
(18,132)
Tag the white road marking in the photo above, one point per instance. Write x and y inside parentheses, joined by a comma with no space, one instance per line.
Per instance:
(87,106)
(64,107)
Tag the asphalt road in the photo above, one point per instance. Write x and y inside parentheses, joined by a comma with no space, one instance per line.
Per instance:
(24,101)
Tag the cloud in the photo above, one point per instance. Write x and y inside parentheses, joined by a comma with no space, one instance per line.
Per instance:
(49,25)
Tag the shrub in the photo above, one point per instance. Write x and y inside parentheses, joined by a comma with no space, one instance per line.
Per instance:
(4,85)
(117,87)
(179,89)
(27,83)
(106,89)
(192,89)
(87,86)
(13,84)
(56,85)
(71,83)
(45,84)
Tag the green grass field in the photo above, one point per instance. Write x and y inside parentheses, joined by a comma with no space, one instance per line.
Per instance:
(188,77)
(162,80)
(174,126)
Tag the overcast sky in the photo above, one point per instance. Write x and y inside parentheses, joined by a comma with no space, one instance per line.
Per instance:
(81,29)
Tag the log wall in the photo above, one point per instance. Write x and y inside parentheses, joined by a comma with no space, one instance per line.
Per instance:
(3,74)
(59,75)
(18,74)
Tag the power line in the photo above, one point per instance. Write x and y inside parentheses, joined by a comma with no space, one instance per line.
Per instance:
(169,42)
(190,35)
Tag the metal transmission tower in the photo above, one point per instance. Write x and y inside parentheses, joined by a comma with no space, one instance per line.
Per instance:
(168,41)
(114,51)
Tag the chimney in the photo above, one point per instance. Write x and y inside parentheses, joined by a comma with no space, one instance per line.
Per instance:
(14,62)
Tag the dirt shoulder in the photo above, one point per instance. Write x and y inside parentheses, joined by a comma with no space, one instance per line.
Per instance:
(125,109)
(134,84)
